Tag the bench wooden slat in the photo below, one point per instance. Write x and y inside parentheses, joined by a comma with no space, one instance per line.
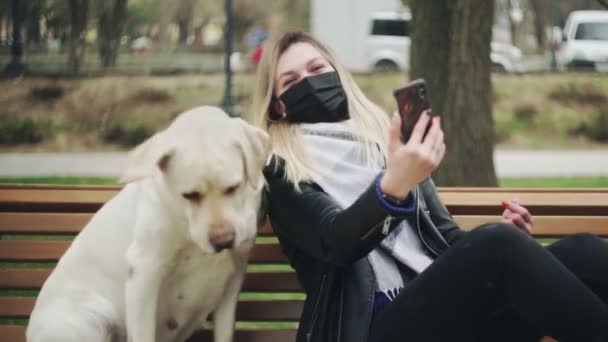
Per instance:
(32,279)
(12,333)
(252,335)
(456,189)
(59,200)
(43,223)
(547,226)
(23,278)
(562,202)
(72,223)
(247,310)
(58,223)
(16,307)
(460,201)
(269,310)
(16,333)
(272,282)
(52,250)
(16,186)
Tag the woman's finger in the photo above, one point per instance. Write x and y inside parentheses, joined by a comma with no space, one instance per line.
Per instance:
(517,208)
(394,134)
(521,223)
(435,134)
(439,137)
(430,139)
(439,153)
(516,220)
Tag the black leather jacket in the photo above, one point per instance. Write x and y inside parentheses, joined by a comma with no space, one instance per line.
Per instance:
(327,244)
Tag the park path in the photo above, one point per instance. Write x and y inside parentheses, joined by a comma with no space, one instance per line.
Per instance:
(509,163)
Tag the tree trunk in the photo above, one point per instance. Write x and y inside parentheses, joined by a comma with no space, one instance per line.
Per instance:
(183,26)
(166,10)
(451,50)
(33,30)
(8,24)
(32,21)
(79,10)
(540,19)
(513,26)
(1,25)
(183,17)
(110,27)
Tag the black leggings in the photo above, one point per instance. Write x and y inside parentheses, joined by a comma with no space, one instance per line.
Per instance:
(499,284)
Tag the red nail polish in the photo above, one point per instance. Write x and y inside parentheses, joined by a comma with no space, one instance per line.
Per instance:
(505,204)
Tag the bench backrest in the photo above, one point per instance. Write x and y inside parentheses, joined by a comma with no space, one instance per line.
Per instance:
(37,223)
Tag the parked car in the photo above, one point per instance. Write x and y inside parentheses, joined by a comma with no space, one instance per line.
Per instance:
(388,42)
(388,45)
(585,41)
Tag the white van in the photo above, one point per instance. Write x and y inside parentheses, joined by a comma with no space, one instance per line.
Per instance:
(585,42)
(388,41)
(388,45)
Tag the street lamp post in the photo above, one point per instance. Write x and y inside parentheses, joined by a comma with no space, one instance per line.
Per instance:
(16,67)
(228,102)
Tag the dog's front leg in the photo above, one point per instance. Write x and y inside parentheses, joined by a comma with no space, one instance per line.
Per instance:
(223,316)
(141,294)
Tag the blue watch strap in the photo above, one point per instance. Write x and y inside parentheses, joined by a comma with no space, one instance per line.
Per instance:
(395,209)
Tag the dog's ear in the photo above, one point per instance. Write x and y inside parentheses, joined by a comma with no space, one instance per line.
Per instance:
(254,146)
(143,159)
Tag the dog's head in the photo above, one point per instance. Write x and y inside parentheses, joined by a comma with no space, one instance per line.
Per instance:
(209,166)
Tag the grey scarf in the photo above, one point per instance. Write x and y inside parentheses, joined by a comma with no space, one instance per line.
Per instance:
(345,178)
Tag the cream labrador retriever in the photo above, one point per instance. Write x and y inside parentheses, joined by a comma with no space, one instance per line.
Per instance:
(170,248)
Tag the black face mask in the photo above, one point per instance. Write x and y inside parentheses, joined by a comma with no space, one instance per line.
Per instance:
(314,99)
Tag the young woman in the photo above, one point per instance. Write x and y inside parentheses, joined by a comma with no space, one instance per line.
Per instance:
(376,251)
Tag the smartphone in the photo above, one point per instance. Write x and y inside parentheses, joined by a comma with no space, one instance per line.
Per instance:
(412,100)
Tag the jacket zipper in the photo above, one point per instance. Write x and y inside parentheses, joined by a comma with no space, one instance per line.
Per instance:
(418,224)
(386,224)
(341,309)
(315,309)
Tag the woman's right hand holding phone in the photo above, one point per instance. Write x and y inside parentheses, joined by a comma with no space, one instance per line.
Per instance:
(410,163)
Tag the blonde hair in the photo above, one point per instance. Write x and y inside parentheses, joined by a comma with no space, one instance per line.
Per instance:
(369,123)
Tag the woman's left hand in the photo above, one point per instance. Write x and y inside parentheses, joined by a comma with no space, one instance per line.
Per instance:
(517,215)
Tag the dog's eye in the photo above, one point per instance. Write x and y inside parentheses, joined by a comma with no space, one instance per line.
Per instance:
(193,196)
(231,190)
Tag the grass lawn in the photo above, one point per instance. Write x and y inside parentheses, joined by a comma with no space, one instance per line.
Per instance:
(568,182)
(60,180)
(113,112)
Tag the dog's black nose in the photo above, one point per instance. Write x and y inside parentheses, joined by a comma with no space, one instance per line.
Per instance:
(226,245)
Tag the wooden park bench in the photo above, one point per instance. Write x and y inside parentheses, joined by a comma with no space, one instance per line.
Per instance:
(37,222)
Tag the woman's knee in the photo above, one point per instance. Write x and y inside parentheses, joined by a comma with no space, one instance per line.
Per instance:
(577,243)
(581,240)
(499,235)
